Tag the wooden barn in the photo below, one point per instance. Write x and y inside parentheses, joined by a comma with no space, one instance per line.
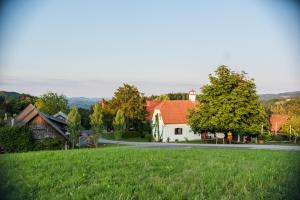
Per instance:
(42,125)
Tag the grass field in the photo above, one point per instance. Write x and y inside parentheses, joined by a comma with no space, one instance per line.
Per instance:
(132,173)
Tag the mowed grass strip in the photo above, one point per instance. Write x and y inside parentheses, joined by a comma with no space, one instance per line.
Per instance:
(134,173)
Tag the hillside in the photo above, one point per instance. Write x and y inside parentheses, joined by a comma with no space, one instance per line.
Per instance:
(266,97)
(82,102)
(11,95)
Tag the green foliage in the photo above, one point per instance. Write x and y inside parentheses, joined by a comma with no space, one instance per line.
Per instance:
(284,106)
(132,134)
(14,103)
(16,139)
(85,119)
(118,135)
(49,144)
(162,97)
(151,174)
(292,126)
(228,103)
(51,103)
(170,96)
(149,137)
(74,125)
(96,118)
(119,121)
(132,103)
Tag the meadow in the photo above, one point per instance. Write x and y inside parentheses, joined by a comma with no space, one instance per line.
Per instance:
(134,173)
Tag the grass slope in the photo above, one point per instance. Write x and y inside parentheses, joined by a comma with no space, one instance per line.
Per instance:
(131,173)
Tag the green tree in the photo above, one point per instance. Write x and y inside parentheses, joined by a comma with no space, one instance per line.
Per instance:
(52,103)
(228,103)
(132,103)
(162,97)
(85,120)
(74,125)
(119,125)
(292,127)
(96,119)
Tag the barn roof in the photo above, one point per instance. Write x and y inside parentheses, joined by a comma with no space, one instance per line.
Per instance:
(30,112)
(175,111)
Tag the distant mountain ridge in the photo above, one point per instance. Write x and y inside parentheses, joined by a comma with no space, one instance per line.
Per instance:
(82,102)
(86,103)
(266,97)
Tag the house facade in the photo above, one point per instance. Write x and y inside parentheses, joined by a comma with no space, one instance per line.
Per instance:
(169,120)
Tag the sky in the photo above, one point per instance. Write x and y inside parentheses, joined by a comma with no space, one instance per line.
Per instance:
(89,48)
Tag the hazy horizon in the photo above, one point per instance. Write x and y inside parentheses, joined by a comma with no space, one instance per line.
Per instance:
(90,49)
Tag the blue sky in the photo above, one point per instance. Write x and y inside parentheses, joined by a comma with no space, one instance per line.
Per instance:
(89,48)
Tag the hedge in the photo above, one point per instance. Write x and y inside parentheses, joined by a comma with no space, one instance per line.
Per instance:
(48,144)
(15,139)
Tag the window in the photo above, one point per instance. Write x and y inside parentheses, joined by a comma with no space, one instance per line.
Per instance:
(178,131)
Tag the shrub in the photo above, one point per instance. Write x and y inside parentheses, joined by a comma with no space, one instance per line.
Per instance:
(118,135)
(49,144)
(132,134)
(149,137)
(280,137)
(267,137)
(16,139)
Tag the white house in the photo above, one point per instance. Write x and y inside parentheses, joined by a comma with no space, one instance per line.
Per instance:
(169,120)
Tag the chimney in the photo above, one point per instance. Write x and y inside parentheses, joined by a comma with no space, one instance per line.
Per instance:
(192,95)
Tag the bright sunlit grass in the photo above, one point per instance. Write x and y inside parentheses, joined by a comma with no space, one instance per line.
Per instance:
(133,173)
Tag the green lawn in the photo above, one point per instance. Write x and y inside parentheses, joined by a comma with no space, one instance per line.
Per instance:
(134,173)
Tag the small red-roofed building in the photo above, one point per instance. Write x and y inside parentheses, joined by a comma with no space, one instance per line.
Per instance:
(277,121)
(170,122)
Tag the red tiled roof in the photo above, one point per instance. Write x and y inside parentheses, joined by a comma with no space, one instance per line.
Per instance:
(150,106)
(277,121)
(175,111)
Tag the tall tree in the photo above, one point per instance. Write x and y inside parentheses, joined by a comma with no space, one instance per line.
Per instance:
(52,103)
(228,103)
(119,121)
(96,122)
(132,103)
(74,125)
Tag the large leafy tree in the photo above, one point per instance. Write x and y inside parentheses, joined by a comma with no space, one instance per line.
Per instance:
(228,103)
(52,103)
(74,125)
(132,103)
(96,119)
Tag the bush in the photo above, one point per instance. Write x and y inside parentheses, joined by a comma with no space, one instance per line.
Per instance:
(132,134)
(149,137)
(49,144)
(118,135)
(280,137)
(15,139)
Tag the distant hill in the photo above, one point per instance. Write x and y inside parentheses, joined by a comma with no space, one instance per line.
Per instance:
(82,102)
(284,95)
(10,95)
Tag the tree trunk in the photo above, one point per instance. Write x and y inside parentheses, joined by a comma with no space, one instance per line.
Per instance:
(239,139)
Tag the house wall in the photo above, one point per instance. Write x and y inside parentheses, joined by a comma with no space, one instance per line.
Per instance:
(168,130)
(41,129)
(187,133)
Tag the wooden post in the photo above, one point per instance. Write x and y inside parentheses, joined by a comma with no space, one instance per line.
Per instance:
(239,138)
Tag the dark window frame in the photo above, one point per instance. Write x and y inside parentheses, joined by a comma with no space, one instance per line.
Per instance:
(178,131)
